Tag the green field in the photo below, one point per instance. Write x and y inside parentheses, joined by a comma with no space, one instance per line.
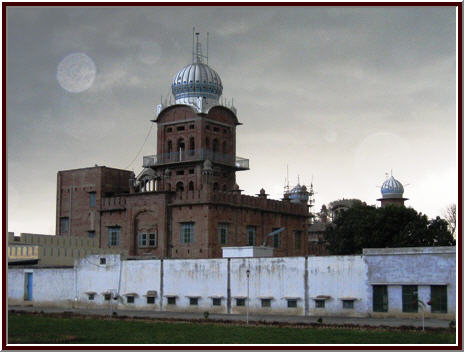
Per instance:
(36,329)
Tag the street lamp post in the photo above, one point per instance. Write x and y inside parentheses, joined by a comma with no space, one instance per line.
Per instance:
(248,293)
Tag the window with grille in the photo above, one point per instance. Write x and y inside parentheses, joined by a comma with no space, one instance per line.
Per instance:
(64,224)
(216,301)
(150,299)
(193,301)
(348,304)
(410,299)
(113,235)
(223,232)
(172,300)
(142,240)
(92,199)
(320,303)
(130,299)
(251,234)
(240,302)
(276,240)
(438,299)
(292,303)
(380,298)
(187,232)
(297,239)
(152,240)
(265,302)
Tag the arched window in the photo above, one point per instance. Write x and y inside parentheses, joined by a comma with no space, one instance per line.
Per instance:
(179,186)
(215,146)
(169,149)
(192,146)
(181,148)
(224,147)
(180,145)
(191,186)
(215,186)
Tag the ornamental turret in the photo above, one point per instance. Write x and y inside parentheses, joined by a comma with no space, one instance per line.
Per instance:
(392,192)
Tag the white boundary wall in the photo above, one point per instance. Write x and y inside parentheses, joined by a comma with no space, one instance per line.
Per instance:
(304,279)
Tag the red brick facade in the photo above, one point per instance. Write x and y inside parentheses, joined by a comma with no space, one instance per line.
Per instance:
(185,204)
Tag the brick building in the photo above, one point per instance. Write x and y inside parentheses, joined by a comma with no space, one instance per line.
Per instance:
(185,203)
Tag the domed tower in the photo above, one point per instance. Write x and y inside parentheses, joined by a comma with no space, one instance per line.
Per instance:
(196,140)
(392,192)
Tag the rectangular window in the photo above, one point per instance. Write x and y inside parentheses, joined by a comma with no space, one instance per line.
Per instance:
(92,199)
(193,301)
(113,235)
(191,127)
(291,303)
(265,302)
(297,235)
(150,299)
(191,171)
(152,240)
(276,239)
(172,300)
(380,298)
(216,129)
(142,240)
(223,233)
(130,299)
(251,234)
(410,299)
(181,128)
(187,232)
(438,299)
(64,224)
(91,296)
(216,301)
(107,296)
(102,261)
(320,303)
(91,234)
(240,302)
(179,172)
(348,304)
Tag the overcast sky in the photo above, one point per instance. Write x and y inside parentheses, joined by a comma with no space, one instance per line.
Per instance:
(340,95)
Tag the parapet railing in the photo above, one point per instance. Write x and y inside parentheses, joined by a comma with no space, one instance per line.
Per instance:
(195,155)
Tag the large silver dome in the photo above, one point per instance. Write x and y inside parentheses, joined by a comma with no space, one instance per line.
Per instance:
(196,80)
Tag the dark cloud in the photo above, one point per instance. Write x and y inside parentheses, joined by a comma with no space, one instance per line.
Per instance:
(315,85)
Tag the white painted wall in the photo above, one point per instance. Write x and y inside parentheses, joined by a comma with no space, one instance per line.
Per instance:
(140,276)
(276,278)
(269,277)
(95,277)
(338,277)
(196,277)
(50,287)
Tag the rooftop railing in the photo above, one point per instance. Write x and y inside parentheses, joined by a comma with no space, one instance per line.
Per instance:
(196,155)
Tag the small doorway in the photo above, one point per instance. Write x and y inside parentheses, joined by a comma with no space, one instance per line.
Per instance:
(28,287)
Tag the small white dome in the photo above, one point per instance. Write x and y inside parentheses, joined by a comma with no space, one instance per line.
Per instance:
(392,188)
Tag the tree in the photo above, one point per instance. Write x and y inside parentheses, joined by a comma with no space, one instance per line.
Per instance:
(365,226)
(450,217)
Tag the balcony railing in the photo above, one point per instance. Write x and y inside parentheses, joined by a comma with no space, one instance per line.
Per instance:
(196,155)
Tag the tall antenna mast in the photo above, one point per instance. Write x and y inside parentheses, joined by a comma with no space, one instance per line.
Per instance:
(193,44)
(199,55)
(207,52)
